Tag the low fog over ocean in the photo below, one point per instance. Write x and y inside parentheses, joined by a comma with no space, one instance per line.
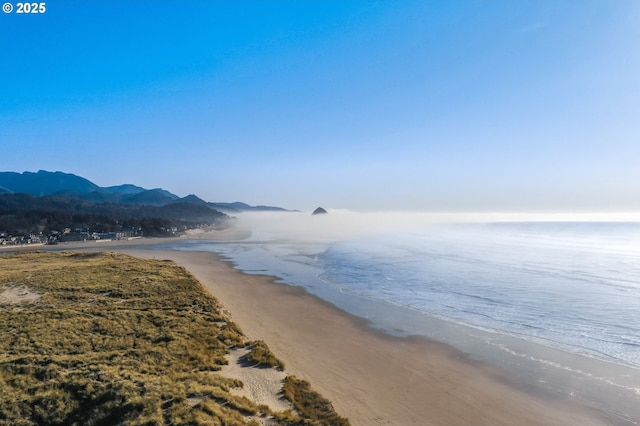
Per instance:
(522,291)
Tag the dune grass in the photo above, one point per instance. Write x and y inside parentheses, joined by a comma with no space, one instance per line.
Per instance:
(261,356)
(114,340)
(310,404)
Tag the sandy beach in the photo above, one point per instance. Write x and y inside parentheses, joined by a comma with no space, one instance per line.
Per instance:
(370,377)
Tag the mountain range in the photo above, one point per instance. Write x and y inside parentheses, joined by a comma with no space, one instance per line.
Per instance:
(45,183)
(59,207)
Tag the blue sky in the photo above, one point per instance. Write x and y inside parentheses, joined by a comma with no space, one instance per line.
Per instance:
(364,105)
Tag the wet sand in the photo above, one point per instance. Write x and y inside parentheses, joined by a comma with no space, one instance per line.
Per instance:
(371,378)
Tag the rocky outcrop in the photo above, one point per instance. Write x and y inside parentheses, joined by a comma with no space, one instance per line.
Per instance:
(319,210)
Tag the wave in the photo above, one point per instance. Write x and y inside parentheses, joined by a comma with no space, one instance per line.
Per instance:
(568,288)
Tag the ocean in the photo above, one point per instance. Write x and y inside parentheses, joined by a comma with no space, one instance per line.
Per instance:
(571,286)
(557,304)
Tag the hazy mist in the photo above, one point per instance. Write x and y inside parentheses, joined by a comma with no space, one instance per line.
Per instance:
(345,224)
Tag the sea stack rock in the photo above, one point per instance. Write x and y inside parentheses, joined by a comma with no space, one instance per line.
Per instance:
(319,210)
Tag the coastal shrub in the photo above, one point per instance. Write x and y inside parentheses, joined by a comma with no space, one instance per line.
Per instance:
(310,404)
(260,355)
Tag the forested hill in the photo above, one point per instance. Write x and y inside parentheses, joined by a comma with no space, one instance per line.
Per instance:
(44,183)
(55,206)
(62,215)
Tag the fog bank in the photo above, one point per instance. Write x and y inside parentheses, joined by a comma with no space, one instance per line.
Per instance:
(345,224)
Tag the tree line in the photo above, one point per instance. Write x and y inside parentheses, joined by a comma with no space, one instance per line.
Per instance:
(25,214)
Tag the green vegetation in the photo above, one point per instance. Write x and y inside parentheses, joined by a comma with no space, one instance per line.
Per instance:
(25,214)
(260,355)
(114,340)
(310,404)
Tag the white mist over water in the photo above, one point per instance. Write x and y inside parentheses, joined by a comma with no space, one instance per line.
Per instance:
(565,281)
(554,299)
(340,225)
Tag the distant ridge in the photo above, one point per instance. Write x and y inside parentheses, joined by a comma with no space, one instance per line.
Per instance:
(125,189)
(193,199)
(45,183)
(237,207)
(151,197)
(68,185)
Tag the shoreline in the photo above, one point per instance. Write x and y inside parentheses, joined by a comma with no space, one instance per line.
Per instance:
(370,376)
(551,371)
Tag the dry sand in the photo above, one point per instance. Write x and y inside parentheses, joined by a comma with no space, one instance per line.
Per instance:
(15,295)
(261,385)
(371,378)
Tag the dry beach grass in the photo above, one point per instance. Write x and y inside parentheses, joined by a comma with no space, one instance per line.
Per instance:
(104,338)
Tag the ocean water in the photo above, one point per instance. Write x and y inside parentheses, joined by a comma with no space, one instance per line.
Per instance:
(574,286)
(557,302)
(570,286)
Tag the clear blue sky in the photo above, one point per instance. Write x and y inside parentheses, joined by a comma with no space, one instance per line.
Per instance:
(404,105)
